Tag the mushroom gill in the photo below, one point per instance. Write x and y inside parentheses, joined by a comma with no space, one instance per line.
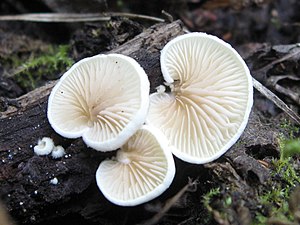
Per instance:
(210,99)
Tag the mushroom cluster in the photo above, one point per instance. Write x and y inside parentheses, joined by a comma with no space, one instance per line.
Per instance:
(46,146)
(105,100)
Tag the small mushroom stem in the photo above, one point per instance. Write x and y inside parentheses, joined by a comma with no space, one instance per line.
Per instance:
(93,112)
(175,86)
(123,157)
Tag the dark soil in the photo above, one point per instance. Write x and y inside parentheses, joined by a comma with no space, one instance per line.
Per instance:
(262,34)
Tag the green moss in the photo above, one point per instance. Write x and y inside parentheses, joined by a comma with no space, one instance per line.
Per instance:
(275,205)
(223,202)
(290,148)
(207,198)
(41,68)
(270,202)
(289,128)
(274,202)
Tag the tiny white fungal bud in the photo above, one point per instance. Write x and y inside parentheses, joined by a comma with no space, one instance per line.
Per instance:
(54,181)
(58,152)
(44,146)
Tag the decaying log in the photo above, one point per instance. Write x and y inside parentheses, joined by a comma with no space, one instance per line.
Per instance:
(25,185)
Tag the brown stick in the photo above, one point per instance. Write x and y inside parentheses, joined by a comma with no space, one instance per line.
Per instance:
(75,17)
(277,101)
(190,186)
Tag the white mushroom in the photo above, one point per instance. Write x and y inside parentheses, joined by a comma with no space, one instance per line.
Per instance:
(104,99)
(58,152)
(44,146)
(210,100)
(142,169)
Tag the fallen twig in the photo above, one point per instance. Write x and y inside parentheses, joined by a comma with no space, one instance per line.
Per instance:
(269,94)
(277,101)
(79,17)
(284,58)
(74,17)
(191,185)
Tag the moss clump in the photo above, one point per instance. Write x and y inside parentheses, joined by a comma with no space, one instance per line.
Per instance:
(291,148)
(38,69)
(208,197)
(291,130)
(275,202)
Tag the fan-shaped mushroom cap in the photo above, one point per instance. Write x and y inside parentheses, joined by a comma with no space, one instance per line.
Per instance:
(142,169)
(210,100)
(104,99)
